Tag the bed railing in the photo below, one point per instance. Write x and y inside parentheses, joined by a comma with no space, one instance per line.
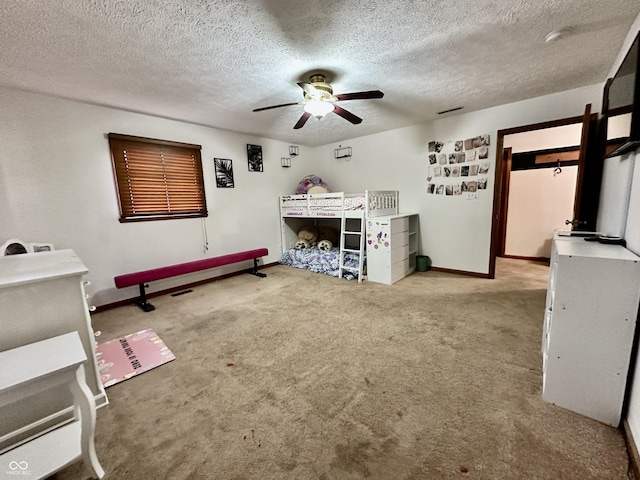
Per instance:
(370,203)
(381,203)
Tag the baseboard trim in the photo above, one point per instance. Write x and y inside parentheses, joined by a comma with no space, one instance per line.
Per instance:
(460,272)
(532,259)
(632,450)
(129,301)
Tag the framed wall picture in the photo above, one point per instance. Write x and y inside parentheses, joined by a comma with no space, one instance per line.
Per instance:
(224,172)
(254,156)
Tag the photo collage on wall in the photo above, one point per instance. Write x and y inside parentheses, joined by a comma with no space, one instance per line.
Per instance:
(459,167)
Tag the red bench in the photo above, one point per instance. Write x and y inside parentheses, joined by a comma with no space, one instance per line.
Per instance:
(141,278)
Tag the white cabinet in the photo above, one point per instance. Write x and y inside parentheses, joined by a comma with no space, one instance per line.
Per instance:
(33,370)
(42,296)
(392,244)
(589,324)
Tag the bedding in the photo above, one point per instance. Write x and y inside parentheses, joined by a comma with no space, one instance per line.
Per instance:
(319,261)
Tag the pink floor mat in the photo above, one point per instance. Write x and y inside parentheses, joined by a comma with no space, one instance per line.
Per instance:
(131,355)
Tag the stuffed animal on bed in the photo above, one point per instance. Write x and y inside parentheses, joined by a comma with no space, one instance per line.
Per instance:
(327,238)
(312,184)
(307,237)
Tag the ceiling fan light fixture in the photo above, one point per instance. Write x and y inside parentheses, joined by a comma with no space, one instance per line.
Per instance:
(318,108)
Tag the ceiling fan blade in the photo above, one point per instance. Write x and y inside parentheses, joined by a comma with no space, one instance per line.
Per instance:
(303,119)
(277,106)
(360,95)
(347,115)
(310,90)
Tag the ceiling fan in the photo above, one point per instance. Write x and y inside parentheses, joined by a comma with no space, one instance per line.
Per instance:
(319,100)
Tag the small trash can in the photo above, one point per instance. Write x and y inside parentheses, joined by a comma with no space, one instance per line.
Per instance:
(423,263)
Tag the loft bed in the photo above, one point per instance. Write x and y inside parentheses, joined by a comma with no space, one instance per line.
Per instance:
(336,205)
(347,213)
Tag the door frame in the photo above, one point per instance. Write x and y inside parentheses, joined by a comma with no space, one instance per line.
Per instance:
(501,188)
(504,200)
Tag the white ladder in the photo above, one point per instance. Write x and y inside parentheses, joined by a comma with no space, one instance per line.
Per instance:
(344,233)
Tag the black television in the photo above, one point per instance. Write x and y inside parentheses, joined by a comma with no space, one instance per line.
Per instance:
(621,104)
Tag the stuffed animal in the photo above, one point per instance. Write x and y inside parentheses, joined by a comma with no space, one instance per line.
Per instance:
(327,238)
(312,184)
(307,237)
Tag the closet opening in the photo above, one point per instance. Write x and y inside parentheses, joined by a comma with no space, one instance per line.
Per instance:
(547,177)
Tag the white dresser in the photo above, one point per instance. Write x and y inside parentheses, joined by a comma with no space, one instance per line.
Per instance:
(589,324)
(42,296)
(392,247)
(33,370)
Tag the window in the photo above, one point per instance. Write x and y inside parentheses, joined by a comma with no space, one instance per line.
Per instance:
(157,179)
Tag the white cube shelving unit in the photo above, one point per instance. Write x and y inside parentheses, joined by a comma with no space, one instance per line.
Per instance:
(589,325)
(392,247)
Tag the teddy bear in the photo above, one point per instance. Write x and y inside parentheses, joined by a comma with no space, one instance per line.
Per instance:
(327,238)
(307,237)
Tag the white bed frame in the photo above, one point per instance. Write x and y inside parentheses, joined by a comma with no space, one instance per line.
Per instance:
(352,209)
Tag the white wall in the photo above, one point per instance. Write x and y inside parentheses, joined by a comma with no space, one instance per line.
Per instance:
(539,203)
(455,232)
(56,185)
(624,194)
(632,226)
(615,188)
(545,138)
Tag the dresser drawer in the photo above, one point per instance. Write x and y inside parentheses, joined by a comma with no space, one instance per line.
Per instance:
(399,254)
(399,225)
(399,270)
(399,239)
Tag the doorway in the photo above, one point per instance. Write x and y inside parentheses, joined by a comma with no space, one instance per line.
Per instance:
(539,194)
(588,176)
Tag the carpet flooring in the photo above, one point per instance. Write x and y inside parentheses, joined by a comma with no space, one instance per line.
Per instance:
(304,376)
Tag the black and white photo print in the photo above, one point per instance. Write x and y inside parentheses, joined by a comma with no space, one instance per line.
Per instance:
(224,172)
(254,157)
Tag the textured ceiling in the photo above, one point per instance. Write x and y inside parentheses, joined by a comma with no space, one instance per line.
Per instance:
(213,61)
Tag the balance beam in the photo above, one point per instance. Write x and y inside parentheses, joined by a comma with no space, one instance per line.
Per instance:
(141,278)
